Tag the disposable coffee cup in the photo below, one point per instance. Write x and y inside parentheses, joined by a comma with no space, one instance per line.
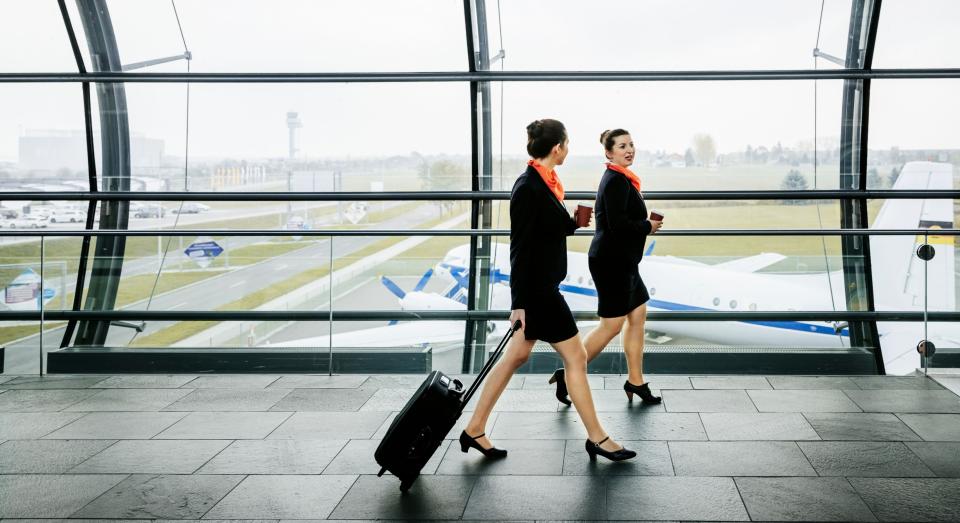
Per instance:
(584,210)
(656,215)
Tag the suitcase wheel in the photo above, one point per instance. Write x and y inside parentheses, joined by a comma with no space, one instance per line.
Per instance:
(406,484)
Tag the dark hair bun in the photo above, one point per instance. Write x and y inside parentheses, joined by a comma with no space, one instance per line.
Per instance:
(543,135)
(603,136)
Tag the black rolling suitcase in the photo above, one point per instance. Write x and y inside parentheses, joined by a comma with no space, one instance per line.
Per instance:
(419,429)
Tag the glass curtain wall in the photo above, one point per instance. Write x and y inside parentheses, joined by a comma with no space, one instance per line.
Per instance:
(273,138)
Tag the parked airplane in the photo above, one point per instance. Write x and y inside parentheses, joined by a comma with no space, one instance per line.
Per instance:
(678,284)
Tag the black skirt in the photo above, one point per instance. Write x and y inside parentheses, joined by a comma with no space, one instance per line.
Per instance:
(619,287)
(549,318)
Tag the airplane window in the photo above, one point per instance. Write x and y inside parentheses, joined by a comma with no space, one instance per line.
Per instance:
(733,304)
(753,306)
(653,290)
(590,282)
(716,301)
(580,280)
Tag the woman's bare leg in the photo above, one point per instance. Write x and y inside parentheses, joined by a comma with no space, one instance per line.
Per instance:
(633,343)
(575,371)
(517,353)
(599,337)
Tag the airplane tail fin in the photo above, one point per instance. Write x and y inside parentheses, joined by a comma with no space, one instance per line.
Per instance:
(899,279)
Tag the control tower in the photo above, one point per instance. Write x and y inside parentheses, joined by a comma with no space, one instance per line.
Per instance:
(293,123)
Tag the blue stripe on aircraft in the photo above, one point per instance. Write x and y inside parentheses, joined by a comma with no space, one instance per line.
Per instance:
(496,276)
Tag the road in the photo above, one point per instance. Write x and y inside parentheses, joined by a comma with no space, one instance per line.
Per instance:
(23,356)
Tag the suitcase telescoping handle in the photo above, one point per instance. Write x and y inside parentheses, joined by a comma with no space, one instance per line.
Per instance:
(489,365)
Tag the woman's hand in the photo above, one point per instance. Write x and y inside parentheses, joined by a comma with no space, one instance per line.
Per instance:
(519,314)
(655,226)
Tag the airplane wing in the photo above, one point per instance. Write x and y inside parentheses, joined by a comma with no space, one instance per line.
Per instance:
(751,263)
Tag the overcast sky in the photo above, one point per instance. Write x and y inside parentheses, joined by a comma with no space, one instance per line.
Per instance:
(244,121)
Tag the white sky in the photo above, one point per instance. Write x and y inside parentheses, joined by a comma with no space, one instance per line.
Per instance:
(245,121)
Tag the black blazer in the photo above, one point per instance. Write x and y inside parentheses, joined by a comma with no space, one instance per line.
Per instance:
(621,218)
(539,226)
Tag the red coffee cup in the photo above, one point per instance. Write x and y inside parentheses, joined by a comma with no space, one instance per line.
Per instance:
(583,213)
(656,216)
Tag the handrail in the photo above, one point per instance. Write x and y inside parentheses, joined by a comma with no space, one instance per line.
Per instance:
(279,196)
(433,315)
(36,233)
(483,76)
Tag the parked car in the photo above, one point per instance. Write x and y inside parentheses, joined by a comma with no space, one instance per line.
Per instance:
(191,208)
(67,215)
(149,211)
(29,221)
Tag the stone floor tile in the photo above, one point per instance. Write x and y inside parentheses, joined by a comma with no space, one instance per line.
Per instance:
(20,495)
(707,401)
(228,400)
(153,457)
(542,382)
(896,383)
(128,400)
(657,382)
(399,381)
(866,426)
(54,382)
(672,426)
(308,381)
(526,457)
(117,425)
(330,425)
(675,498)
(739,458)
(225,425)
(730,382)
(653,459)
(283,497)
(934,427)
(616,401)
(33,425)
(789,426)
(812,382)
(146,381)
(430,497)
(943,458)
(919,401)
(277,456)
(232,381)
(911,499)
(165,497)
(46,456)
(536,425)
(802,499)
(541,400)
(387,400)
(42,400)
(863,459)
(537,497)
(324,399)
(802,401)
(357,458)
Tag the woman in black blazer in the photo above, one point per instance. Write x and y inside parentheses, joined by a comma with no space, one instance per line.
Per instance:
(539,226)
(616,250)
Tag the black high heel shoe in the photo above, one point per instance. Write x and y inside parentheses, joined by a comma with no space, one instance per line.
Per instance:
(558,378)
(643,391)
(467,442)
(617,455)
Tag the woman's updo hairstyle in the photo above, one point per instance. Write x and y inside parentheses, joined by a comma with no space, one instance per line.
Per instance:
(607,137)
(543,135)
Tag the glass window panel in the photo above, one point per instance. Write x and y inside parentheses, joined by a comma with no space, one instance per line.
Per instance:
(33,38)
(665,35)
(917,33)
(295,35)
(688,135)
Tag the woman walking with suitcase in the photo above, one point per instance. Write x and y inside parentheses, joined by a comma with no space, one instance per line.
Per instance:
(616,250)
(539,225)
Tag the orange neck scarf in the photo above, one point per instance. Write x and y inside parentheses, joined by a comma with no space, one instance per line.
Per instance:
(550,178)
(634,179)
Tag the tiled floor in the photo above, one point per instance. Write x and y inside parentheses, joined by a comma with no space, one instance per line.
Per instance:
(259,447)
